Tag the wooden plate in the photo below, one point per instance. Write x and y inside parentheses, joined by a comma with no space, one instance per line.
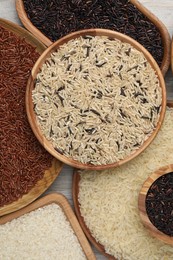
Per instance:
(142,208)
(30,106)
(161,27)
(75,192)
(60,200)
(54,170)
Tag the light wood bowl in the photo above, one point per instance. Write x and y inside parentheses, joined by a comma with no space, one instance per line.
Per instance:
(51,173)
(30,86)
(60,200)
(75,194)
(161,27)
(142,208)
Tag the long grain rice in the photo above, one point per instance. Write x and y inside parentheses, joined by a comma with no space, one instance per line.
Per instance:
(97,100)
(109,201)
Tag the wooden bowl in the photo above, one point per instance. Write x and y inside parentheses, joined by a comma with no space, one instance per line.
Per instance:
(142,207)
(60,200)
(30,107)
(161,27)
(51,173)
(75,194)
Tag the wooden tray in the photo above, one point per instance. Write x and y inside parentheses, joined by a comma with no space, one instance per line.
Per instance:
(63,203)
(142,208)
(30,106)
(161,27)
(51,173)
(75,192)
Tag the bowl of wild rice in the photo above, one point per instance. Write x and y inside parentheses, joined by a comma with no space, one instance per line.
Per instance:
(95,99)
(155,204)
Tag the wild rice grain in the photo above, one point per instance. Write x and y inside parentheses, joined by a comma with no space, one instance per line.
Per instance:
(97,100)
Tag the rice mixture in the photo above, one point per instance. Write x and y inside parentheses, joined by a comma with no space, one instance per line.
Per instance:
(97,100)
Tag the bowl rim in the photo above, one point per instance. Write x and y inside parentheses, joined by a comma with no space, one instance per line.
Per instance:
(30,86)
(152,17)
(142,206)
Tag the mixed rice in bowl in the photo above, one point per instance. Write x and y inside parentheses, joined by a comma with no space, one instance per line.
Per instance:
(98,99)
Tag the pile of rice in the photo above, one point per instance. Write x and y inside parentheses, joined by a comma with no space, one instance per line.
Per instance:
(41,234)
(109,202)
(97,99)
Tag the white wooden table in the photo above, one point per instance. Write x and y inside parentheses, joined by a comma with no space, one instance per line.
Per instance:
(163,9)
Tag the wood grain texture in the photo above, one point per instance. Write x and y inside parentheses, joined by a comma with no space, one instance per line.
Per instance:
(30,106)
(161,27)
(141,204)
(65,206)
(51,173)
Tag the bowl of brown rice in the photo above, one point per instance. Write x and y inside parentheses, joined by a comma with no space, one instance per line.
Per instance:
(95,99)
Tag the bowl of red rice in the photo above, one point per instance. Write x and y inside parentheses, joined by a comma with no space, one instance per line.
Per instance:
(95,99)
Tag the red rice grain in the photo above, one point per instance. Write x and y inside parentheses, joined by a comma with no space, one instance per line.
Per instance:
(23,160)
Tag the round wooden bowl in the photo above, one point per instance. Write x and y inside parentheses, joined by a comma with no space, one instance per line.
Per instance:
(161,27)
(51,173)
(30,107)
(62,202)
(142,207)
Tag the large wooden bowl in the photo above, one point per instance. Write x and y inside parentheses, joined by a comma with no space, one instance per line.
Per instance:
(142,204)
(30,107)
(161,27)
(61,201)
(51,173)
(75,194)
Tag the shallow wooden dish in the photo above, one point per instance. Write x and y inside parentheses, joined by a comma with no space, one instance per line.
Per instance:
(161,27)
(30,86)
(51,173)
(142,208)
(60,200)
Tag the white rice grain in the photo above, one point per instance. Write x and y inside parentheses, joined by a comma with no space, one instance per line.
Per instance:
(109,201)
(40,235)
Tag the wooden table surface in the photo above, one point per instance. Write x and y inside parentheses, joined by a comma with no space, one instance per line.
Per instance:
(163,9)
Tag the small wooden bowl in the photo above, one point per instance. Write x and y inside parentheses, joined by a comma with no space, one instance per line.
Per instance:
(60,200)
(51,173)
(30,107)
(142,207)
(161,27)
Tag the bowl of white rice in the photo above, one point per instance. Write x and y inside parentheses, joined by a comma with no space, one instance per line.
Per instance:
(95,99)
